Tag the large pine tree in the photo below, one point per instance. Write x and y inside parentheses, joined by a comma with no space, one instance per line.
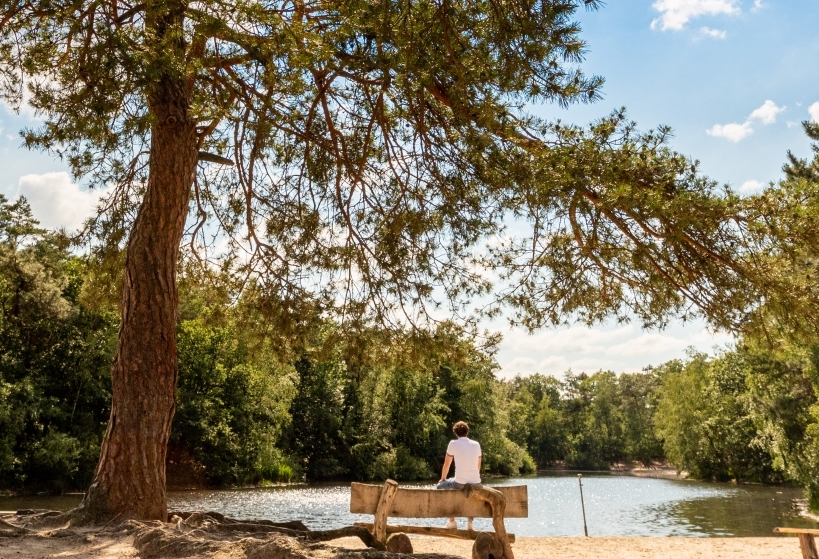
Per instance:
(379,149)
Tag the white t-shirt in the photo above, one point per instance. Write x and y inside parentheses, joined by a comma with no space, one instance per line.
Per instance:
(466,453)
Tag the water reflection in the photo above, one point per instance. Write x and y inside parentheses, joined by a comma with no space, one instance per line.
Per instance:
(615,506)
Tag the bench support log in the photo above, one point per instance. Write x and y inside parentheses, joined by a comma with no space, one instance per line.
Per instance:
(383,510)
(497,502)
(431,531)
(808,545)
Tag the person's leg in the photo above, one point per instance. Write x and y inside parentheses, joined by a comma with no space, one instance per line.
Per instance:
(450,484)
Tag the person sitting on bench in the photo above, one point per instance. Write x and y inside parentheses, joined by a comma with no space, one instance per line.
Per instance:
(467,456)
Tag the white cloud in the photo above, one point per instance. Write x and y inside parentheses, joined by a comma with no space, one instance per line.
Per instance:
(758,5)
(751,186)
(734,132)
(614,347)
(650,343)
(573,339)
(813,111)
(56,201)
(675,14)
(792,123)
(523,366)
(766,113)
(713,33)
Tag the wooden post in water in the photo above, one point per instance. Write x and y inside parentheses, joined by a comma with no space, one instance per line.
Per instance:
(582,505)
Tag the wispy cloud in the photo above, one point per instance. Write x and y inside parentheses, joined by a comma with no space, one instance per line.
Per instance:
(713,33)
(735,132)
(675,14)
(758,5)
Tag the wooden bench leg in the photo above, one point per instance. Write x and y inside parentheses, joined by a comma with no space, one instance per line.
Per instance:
(808,545)
(399,542)
(382,511)
(497,503)
(487,546)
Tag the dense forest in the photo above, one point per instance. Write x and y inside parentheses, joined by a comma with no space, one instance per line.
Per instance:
(269,390)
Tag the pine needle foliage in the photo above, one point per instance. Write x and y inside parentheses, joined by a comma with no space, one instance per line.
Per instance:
(383,158)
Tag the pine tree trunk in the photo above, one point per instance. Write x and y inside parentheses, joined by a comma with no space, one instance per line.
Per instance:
(130,478)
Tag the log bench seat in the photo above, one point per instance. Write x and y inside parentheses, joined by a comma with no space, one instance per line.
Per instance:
(806,540)
(474,500)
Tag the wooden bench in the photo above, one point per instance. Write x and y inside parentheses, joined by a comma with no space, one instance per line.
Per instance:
(806,540)
(476,501)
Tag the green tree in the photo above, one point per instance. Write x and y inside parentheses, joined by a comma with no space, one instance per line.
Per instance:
(233,406)
(704,419)
(318,413)
(783,388)
(54,360)
(638,397)
(536,420)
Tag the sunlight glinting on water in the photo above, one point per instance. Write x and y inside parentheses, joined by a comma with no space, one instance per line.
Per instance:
(615,506)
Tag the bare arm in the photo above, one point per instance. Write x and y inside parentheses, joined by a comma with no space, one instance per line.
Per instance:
(447,464)
(480,461)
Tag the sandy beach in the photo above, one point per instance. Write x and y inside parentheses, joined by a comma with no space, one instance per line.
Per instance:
(102,546)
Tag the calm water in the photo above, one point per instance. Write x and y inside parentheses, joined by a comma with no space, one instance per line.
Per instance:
(615,506)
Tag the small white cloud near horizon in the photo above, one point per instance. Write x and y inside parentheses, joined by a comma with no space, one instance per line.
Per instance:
(713,33)
(675,14)
(813,111)
(751,186)
(56,201)
(766,113)
(733,131)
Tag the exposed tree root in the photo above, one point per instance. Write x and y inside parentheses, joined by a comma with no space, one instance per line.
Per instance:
(8,530)
(211,534)
(215,523)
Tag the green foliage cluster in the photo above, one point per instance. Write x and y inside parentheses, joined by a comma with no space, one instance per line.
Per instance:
(55,356)
(586,421)
(750,414)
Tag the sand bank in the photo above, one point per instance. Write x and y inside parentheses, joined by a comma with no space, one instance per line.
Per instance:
(631,548)
(111,547)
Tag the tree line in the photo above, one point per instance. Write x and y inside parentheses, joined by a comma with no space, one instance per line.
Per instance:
(271,390)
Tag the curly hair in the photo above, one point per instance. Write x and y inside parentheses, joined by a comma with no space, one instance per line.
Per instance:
(461,429)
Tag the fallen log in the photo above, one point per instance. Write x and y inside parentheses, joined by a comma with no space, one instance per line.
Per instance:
(431,531)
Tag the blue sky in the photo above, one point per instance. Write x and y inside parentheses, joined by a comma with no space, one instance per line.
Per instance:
(733,78)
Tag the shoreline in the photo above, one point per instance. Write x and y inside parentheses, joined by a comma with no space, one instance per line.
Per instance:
(658,471)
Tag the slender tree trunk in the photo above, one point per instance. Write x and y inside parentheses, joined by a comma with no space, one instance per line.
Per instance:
(130,478)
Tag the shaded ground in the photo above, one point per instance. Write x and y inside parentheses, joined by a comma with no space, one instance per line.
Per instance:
(52,539)
(46,534)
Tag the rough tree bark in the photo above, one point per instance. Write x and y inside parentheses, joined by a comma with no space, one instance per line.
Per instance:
(129,482)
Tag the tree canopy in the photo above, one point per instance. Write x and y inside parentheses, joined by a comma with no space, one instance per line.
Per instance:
(379,146)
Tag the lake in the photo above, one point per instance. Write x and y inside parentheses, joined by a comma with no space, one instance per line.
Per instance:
(615,506)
